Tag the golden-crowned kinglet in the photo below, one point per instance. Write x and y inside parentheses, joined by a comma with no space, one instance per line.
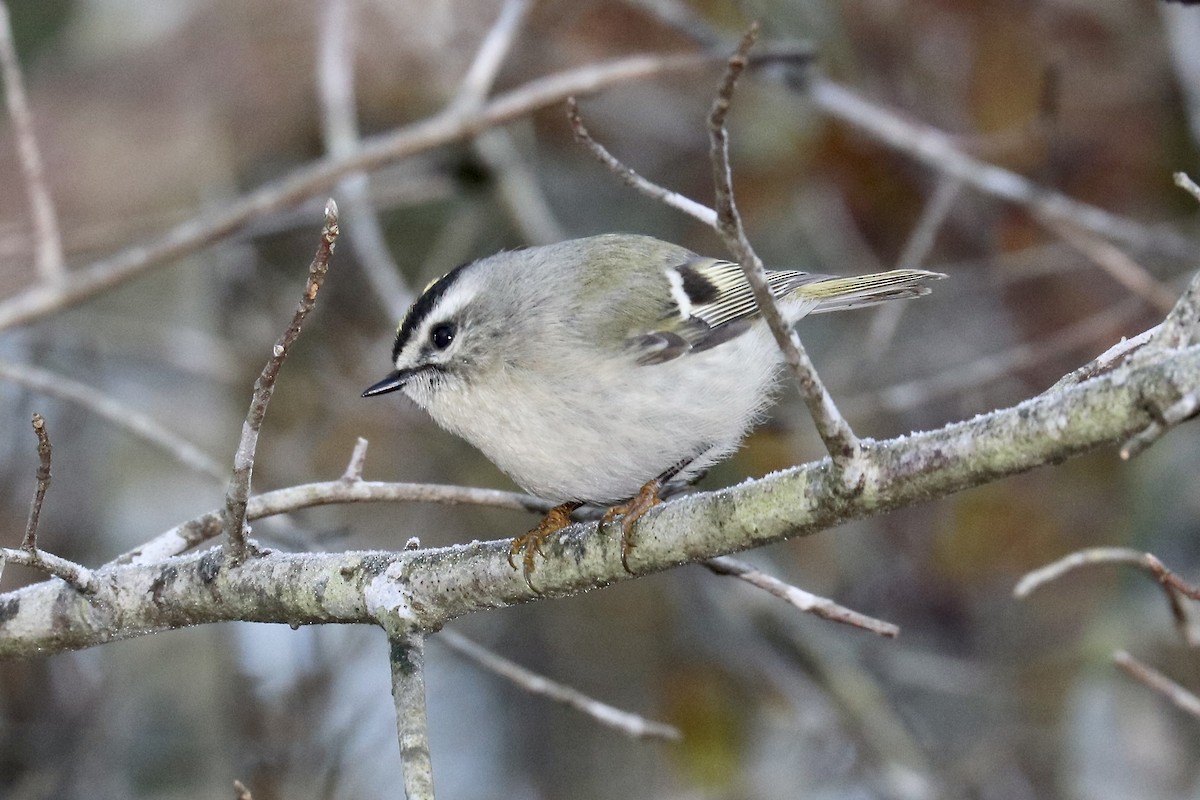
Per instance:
(596,370)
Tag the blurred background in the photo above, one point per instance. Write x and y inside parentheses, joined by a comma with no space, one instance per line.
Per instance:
(151,113)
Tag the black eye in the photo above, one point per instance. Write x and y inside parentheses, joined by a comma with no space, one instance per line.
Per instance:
(442,334)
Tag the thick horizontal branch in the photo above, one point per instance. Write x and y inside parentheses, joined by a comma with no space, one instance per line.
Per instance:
(429,587)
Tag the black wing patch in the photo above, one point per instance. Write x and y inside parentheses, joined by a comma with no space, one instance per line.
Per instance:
(712,303)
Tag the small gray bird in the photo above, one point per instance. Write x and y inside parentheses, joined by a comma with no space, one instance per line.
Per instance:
(595,370)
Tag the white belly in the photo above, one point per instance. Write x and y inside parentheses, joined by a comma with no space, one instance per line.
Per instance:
(598,432)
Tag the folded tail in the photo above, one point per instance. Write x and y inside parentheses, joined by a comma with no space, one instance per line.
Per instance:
(856,291)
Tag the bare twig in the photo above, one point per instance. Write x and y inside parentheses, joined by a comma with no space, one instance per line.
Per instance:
(1180,697)
(958,377)
(184,537)
(481,75)
(322,176)
(51,265)
(43,483)
(1113,260)
(805,601)
(1172,584)
(1109,360)
(358,457)
(1180,411)
(264,387)
(839,439)
(517,187)
(339,126)
(1182,326)
(75,575)
(29,555)
(408,692)
(1185,182)
(632,179)
(938,150)
(516,183)
(627,723)
(108,408)
(916,250)
(1180,329)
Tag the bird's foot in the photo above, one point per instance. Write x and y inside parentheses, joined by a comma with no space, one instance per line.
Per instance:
(647,498)
(530,544)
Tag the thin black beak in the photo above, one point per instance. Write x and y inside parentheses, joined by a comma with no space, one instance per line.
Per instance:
(391,383)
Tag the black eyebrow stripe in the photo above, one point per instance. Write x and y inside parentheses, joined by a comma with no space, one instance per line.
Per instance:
(424,304)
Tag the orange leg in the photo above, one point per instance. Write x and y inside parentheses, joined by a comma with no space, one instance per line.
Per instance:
(530,544)
(632,511)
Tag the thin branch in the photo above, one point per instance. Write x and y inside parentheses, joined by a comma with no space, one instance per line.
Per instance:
(839,439)
(184,537)
(51,264)
(1119,266)
(1112,358)
(339,127)
(408,692)
(1180,411)
(43,483)
(1180,329)
(627,723)
(110,409)
(354,469)
(77,576)
(632,179)
(322,176)
(1172,584)
(517,187)
(29,555)
(264,387)
(920,242)
(805,601)
(957,377)
(938,150)
(1180,697)
(481,75)
(516,183)
(1182,326)
(1185,182)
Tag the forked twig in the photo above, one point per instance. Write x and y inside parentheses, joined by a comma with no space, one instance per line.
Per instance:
(840,440)
(29,555)
(1174,586)
(243,460)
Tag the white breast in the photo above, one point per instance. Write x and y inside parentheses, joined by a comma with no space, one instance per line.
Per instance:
(598,431)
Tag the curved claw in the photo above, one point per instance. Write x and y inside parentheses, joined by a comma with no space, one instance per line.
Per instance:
(632,511)
(530,544)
